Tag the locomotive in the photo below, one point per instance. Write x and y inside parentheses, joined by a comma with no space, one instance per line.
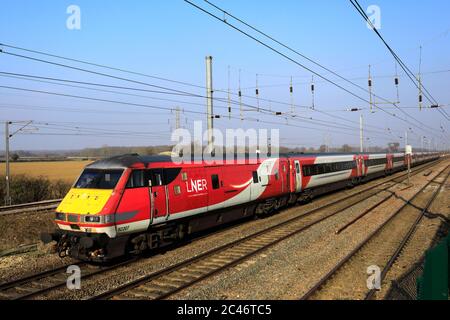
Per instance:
(129,204)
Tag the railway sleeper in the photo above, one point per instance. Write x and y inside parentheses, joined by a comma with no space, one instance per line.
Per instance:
(142,293)
(160,284)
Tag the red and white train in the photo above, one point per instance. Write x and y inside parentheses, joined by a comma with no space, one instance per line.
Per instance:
(131,203)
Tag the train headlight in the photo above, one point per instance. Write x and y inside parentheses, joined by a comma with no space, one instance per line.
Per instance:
(92,219)
(60,216)
(109,218)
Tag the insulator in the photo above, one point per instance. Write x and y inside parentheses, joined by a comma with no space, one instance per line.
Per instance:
(312,88)
(291,89)
(370,83)
(396,81)
(420,98)
(257,92)
(240,93)
(278,113)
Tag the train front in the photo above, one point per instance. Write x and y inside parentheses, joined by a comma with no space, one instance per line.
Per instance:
(85,218)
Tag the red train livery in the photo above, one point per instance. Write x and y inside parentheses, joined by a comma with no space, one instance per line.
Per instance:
(131,203)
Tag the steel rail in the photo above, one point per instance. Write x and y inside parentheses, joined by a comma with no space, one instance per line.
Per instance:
(349,256)
(408,236)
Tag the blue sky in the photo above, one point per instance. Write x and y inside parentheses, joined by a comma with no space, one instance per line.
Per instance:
(170,39)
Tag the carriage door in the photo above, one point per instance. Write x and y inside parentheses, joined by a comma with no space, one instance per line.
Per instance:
(359,166)
(158,194)
(298,176)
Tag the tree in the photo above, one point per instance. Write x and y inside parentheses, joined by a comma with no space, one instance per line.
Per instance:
(15,157)
(323,148)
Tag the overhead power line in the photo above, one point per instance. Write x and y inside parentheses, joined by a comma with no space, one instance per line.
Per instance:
(223,20)
(405,68)
(294,118)
(164,108)
(188,94)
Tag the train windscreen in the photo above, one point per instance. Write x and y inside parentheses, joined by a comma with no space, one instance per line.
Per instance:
(98,179)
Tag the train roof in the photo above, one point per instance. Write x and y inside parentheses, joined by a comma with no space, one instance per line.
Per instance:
(128,160)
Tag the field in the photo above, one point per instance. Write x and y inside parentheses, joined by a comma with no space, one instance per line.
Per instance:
(67,171)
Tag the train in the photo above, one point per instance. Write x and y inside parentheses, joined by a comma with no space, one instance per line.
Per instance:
(129,204)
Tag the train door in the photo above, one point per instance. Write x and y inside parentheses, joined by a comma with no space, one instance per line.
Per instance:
(390,162)
(359,162)
(134,204)
(284,177)
(215,189)
(158,193)
(298,176)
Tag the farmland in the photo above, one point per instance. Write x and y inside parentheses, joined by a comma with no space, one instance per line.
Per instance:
(67,171)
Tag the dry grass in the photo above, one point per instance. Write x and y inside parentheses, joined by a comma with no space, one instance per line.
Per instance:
(67,171)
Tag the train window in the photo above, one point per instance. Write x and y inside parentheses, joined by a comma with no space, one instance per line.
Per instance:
(316,169)
(98,179)
(156,177)
(321,169)
(255,177)
(177,190)
(329,168)
(161,177)
(215,181)
(307,171)
(170,175)
(136,179)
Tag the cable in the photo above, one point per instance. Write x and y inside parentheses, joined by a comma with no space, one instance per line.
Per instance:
(128,88)
(289,48)
(161,108)
(18,76)
(301,65)
(405,68)
(169,90)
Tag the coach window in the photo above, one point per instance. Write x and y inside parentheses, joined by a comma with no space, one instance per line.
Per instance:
(136,179)
(170,175)
(215,181)
(156,177)
(307,171)
(255,177)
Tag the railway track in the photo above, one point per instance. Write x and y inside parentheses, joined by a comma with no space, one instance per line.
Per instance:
(39,284)
(46,281)
(407,218)
(41,206)
(168,281)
